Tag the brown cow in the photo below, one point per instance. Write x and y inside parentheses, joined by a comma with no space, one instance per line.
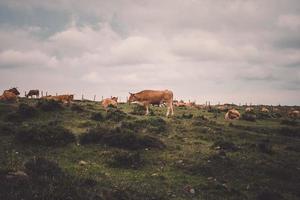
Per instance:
(249,109)
(113,101)
(294,114)
(8,96)
(13,90)
(35,93)
(66,98)
(265,110)
(147,97)
(232,114)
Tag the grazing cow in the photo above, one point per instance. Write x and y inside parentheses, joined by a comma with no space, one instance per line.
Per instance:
(232,114)
(294,114)
(8,96)
(14,90)
(35,93)
(113,101)
(147,97)
(265,110)
(222,108)
(249,109)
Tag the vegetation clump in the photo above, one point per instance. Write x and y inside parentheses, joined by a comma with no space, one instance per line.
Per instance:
(120,137)
(125,159)
(50,134)
(97,116)
(249,117)
(49,105)
(115,115)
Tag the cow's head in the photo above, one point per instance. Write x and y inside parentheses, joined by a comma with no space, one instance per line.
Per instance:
(114,98)
(132,98)
(14,90)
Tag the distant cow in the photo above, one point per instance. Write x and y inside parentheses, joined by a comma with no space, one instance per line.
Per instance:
(113,101)
(35,93)
(9,96)
(13,90)
(147,97)
(232,114)
(66,98)
(265,110)
(249,109)
(294,114)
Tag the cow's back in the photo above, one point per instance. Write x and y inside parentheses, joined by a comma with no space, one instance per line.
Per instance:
(154,96)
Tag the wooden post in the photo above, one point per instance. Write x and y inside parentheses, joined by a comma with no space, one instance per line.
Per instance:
(42,93)
(102,98)
(55,94)
(82,97)
(94,97)
(46,93)
(25,93)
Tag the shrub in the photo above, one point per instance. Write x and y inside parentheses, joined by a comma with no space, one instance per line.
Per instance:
(120,137)
(49,105)
(115,115)
(290,131)
(97,116)
(13,117)
(263,115)
(140,110)
(7,128)
(187,116)
(152,124)
(125,159)
(44,134)
(289,122)
(26,111)
(77,108)
(225,145)
(249,117)
(42,167)
(265,146)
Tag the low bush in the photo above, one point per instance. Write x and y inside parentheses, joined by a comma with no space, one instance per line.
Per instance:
(289,122)
(125,159)
(225,145)
(77,108)
(44,134)
(42,167)
(115,115)
(49,105)
(140,110)
(97,116)
(265,146)
(187,116)
(249,117)
(26,110)
(120,137)
(7,128)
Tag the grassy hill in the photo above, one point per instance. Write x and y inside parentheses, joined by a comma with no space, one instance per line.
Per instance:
(54,151)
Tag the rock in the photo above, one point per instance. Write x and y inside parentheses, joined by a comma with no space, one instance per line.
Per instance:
(82,163)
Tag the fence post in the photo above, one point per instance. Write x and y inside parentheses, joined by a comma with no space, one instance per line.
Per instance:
(25,93)
(82,97)
(42,93)
(94,97)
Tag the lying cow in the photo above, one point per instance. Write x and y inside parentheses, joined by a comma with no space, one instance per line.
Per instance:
(148,97)
(13,90)
(232,114)
(9,96)
(66,98)
(113,101)
(294,114)
(35,93)
(249,109)
(265,110)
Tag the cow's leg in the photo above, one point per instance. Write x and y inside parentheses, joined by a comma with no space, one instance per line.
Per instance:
(168,111)
(147,109)
(172,109)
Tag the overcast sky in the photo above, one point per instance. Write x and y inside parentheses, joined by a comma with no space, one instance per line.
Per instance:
(221,51)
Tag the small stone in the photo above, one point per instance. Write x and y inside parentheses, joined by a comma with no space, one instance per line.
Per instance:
(82,163)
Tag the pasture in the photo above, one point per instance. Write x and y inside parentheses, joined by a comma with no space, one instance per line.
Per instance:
(80,151)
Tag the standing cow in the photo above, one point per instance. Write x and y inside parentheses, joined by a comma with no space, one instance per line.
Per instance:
(35,93)
(147,97)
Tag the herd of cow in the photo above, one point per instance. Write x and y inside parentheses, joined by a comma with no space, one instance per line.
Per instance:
(144,98)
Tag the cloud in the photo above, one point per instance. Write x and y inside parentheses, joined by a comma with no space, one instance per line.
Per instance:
(199,49)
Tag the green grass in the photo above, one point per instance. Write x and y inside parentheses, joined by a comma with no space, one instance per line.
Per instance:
(197,154)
